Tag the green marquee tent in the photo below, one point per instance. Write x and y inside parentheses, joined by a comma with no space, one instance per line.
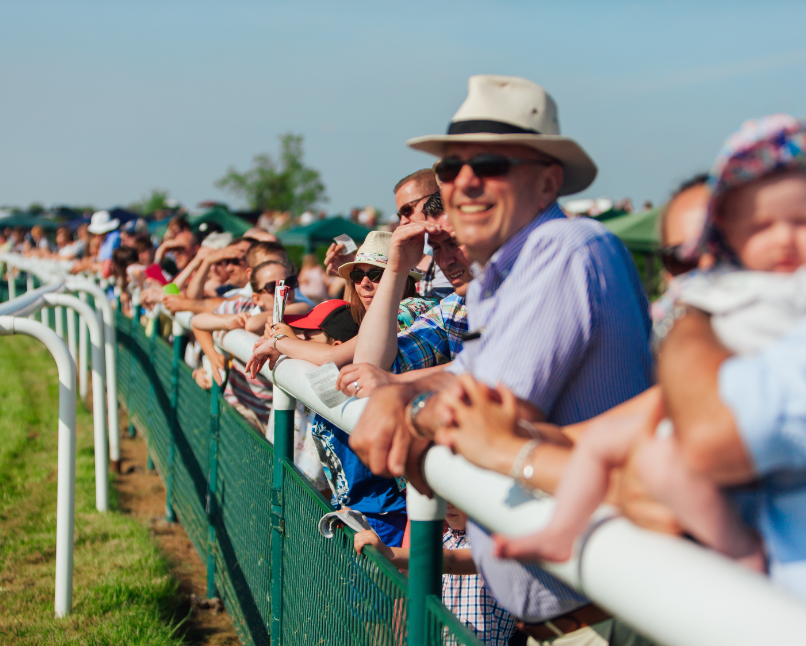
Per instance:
(322,232)
(29,220)
(638,231)
(217,215)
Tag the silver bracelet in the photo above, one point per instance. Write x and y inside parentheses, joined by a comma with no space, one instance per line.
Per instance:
(522,472)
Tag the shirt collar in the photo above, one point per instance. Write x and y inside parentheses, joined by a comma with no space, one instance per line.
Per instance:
(501,262)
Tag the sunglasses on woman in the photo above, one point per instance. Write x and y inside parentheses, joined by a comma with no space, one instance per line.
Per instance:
(291,282)
(374,275)
(487,165)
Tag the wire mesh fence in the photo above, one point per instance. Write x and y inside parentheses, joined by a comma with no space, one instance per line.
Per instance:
(222,495)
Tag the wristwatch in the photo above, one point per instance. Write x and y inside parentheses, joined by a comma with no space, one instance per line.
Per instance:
(276,338)
(416,405)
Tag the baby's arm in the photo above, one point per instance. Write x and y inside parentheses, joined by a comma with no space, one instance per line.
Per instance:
(581,490)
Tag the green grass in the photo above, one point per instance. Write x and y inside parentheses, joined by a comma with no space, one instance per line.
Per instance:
(122,590)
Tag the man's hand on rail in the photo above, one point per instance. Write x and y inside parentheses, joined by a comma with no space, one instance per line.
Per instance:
(383,441)
(368,378)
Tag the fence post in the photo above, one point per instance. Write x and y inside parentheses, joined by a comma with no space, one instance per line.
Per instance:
(177,330)
(82,349)
(283,406)
(153,337)
(130,402)
(427,516)
(212,477)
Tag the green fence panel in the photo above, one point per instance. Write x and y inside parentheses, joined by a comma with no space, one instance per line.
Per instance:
(443,628)
(140,351)
(123,327)
(159,405)
(192,438)
(331,595)
(243,526)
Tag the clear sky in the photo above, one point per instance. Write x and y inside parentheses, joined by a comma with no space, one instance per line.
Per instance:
(100,102)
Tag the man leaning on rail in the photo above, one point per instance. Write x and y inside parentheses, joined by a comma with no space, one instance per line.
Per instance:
(558,315)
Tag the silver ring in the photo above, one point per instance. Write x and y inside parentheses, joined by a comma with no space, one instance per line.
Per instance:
(356,386)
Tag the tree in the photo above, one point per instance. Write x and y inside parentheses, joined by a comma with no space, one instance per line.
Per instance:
(149,205)
(292,187)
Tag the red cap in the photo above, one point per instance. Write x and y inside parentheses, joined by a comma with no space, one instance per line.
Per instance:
(313,319)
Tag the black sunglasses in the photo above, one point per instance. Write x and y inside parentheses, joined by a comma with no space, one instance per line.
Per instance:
(373,274)
(448,169)
(408,208)
(673,263)
(292,282)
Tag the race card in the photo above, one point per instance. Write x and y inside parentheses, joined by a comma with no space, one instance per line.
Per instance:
(347,241)
(323,382)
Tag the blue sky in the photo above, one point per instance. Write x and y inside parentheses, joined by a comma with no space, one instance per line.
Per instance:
(102,101)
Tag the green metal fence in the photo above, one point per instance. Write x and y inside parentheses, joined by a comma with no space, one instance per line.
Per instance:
(220,485)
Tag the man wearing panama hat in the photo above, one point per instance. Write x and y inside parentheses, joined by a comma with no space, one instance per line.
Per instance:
(557,315)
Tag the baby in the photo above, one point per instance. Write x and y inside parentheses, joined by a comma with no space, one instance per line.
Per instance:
(756,228)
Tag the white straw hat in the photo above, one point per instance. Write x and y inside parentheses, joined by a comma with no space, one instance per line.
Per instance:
(513,110)
(101,222)
(374,251)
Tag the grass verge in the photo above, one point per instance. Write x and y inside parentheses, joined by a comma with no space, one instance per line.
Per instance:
(122,589)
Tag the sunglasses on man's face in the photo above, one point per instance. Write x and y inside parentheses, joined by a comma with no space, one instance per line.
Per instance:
(374,275)
(291,282)
(448,169)
(670,257)
(407,209)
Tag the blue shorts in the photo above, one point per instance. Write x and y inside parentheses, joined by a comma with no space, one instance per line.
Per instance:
(390,527)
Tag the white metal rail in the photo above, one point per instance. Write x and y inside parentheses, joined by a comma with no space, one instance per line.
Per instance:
(670,589)
(66,485)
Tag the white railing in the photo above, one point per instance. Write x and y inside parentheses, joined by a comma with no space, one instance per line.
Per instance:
(13,321)
(670,589)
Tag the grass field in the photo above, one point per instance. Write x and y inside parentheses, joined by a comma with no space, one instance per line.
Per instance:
(122,590)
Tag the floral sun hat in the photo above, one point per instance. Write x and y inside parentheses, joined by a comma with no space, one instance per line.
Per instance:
(374,251)
(759,148)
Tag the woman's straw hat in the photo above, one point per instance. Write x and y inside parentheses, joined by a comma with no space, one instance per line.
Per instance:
(374,251)
(513,110)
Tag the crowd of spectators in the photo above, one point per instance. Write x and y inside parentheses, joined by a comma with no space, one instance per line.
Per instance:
(493,323)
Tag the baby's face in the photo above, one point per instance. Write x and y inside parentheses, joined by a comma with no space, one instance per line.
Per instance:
(766,222)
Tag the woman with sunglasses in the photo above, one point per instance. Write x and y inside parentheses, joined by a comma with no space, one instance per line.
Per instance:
(363,275)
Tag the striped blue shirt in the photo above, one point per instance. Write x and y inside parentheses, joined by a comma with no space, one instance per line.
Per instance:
(563,318)
(565,325)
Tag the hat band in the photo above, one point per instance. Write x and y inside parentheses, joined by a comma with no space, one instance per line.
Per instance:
(472,126)
(371,257)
